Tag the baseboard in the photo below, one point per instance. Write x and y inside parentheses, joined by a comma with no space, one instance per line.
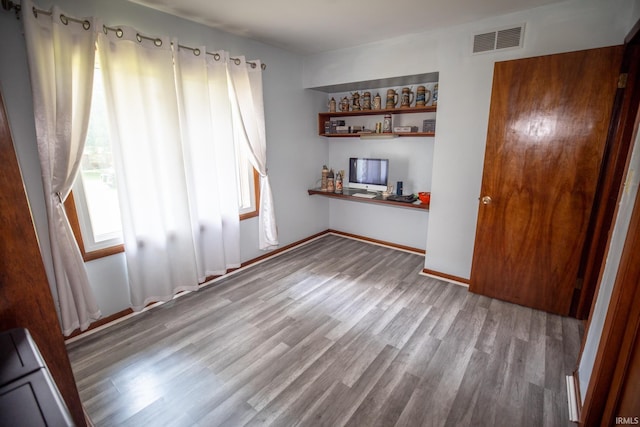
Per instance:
(461,281)
(98,323)
(573,397)
(378,242)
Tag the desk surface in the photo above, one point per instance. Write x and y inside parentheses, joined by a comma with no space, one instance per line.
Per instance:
(348,194)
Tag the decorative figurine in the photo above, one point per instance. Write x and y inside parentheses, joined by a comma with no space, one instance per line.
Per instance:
(392,99)
(377,102)
(339,182)
(366,101)
(386,125)
(325,177)
(421,99)
(344,104)
(330,182)
(332,105)
(407,98)
(355,101)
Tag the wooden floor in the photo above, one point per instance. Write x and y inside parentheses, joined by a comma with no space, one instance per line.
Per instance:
(336,332)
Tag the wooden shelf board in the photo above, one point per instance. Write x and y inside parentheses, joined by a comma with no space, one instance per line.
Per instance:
(377,135)
(429,109)
(376,200)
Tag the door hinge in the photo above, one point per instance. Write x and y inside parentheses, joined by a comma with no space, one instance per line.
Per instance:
(622,80)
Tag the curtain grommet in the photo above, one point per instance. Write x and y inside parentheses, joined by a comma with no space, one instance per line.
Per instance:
(158,42)
(86,24)
(64,20)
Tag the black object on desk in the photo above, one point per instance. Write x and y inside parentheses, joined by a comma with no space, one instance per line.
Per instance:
(409,198)
(28,395)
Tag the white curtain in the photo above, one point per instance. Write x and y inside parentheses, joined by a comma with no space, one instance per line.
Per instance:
(61,61)
(172,136)
(206,120)
(174,115)
(247,92)
(145,133)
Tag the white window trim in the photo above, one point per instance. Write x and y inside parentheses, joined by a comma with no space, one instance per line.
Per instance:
(84,221)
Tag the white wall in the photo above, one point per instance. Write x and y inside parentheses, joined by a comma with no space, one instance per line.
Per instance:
(410,161)
(293,153)
(464,97)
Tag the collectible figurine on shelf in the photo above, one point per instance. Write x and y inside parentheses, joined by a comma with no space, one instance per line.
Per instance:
(377,102)
(330,182)
(325,178)
(392,99)
(421,97)
(339,176)
(344,104)
(332,105)
(407,98)
(355,101)
(366,101)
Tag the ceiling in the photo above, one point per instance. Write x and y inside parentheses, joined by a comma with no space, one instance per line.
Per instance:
(312,26)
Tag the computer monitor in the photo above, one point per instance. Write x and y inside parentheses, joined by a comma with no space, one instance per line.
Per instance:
(368,174)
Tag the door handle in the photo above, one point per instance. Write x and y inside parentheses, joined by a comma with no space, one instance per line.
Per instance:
(486,200)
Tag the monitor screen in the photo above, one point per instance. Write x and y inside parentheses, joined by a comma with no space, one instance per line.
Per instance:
(368,173)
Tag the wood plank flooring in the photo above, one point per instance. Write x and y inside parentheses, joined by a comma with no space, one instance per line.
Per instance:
(336,332)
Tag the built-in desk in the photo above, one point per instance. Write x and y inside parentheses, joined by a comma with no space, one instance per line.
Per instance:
(348,195)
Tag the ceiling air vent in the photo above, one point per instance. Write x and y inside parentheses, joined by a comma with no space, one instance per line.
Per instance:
(504,38)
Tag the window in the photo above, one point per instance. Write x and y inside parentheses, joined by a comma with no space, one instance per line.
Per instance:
(248,189)
(94,193)
(93,207)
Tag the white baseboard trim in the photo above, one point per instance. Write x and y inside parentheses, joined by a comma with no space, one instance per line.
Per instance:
(572,398)
(444,279)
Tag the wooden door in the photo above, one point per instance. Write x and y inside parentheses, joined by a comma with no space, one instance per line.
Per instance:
(548,124)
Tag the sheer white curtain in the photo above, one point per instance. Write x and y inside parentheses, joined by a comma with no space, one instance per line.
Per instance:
(246,85)
(145,132)
(172,136)
(61,61)
(207,127)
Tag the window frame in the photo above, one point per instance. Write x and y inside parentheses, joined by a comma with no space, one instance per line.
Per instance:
(72,214)
(256,202)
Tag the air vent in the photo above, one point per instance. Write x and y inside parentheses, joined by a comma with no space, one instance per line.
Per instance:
(503,38)
(484,42)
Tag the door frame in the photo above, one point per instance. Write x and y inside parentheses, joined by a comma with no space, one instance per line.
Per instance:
(620,331)
(612,170)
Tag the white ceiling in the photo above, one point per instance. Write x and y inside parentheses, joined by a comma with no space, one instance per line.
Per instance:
(311,26)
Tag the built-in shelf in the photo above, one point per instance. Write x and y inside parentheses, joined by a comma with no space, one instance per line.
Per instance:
(327,116)
(348,195)
(369,135)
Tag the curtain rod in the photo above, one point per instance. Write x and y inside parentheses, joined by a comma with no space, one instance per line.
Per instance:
(8,5)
